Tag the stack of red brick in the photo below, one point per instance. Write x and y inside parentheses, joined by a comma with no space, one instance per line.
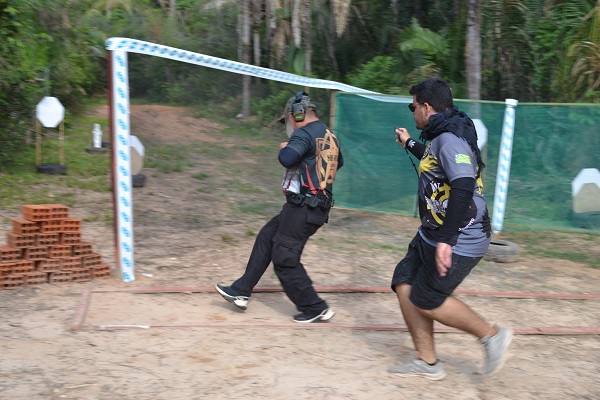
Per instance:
(45,246)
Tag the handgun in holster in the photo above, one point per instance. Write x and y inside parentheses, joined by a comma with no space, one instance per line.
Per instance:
(312,202)
(297,199)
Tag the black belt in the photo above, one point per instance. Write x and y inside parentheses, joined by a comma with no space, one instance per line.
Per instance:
(320,200)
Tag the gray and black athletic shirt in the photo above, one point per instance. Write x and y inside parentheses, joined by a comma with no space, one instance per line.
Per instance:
(446,158)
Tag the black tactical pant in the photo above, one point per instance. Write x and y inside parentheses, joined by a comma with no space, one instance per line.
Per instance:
(281,241)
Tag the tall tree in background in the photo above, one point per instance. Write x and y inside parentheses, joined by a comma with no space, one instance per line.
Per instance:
(473,50)
(427,50)
(307,38)
(245,56)
(507,49)
(586,51)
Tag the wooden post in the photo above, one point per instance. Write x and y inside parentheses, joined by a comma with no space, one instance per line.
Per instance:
(332,109)
(38,144)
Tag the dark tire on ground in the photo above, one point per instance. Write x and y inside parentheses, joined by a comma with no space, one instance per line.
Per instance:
(95,150)
(502,251)
(52,169)
(138,180)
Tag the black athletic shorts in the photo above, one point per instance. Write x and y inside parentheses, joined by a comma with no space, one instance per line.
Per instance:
(417,268)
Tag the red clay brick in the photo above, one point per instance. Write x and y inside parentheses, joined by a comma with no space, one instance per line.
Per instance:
(71,262)
(60,251)
(83,249)
(50,226)
(49,265)
(35,253)
(34,278)
(101,271)
(11,281)
(9,254)
(24,227)
(36,212)
(47,239)
(58,211)
(92,260)
(59,277)
(6,268)
(80,274)
(29,264)
(21,268)
(15,240)
(71,225)
(70,238)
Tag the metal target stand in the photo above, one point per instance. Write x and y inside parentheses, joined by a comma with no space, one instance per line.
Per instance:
(50,115)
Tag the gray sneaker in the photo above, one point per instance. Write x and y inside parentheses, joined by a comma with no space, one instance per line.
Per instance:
(496,350)
(418,367)
(229,294)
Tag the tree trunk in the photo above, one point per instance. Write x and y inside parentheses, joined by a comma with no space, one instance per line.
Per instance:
(172,8)
(256,16)
(473,50)
(307,38)
(331,41)
(245,36)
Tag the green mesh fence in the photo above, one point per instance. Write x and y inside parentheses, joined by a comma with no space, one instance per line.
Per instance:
(552,144)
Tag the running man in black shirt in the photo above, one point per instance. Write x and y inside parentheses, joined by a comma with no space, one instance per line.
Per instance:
(312,157)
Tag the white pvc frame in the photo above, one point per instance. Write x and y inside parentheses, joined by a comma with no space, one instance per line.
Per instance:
(118,48)
(504,159)
(119,108)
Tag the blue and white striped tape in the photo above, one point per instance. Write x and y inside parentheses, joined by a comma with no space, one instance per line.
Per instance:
(122,161)
(504,158)
(158,50)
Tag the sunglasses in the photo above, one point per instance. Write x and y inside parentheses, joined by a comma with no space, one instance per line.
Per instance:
(412,108)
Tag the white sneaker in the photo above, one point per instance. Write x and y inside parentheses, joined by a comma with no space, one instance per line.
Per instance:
(496,350)
(418,367)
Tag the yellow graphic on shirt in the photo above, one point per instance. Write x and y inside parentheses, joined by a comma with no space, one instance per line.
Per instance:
(437,200)
(327,153)
(436,191)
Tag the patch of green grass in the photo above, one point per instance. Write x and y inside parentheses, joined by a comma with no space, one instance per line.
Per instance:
(200,176)
(382,246)
(22,184)
(167,158)
(593,262)
(578,247)
(104,217)
(258,208)
(227,238)
(242,187)
(214,150)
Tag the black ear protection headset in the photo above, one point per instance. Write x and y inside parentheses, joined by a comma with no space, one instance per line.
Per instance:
(298,110)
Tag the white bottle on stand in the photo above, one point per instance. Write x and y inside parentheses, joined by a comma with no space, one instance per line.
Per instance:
(97,135)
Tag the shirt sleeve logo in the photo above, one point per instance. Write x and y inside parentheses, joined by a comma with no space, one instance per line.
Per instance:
(462,159)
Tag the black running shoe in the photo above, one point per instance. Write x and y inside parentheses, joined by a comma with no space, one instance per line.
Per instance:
(231,296)
(307,317)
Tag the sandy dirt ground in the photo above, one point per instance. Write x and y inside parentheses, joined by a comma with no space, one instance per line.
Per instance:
(167,335)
